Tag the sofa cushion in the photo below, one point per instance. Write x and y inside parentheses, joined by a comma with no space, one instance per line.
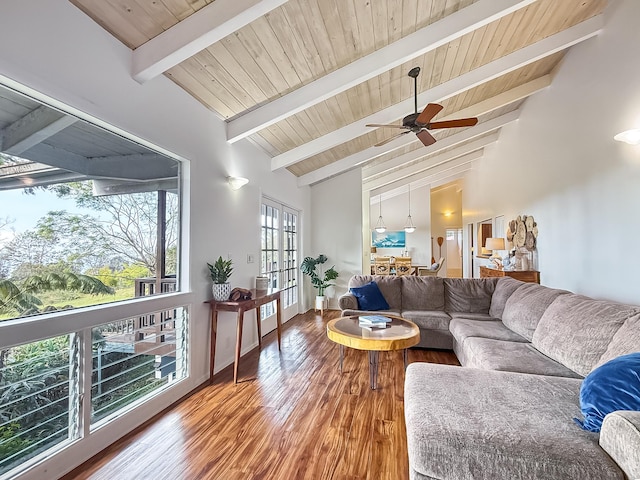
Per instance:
(626,340)
(465,424)
(472,316)
(468,295)
(462,328)
(350,312)
(620,438)
(490,354)
(610,387)
(422,293)
(524,308)
(576,330)
(369,297)
(428,319)
(389,285)
(504,289)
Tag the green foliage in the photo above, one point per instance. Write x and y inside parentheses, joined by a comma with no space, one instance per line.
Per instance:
(21,299)
(221,270)
(319,280)
(131,271)
(9,443)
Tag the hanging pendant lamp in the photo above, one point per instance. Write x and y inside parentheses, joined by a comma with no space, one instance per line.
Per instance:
(380,228)
(409,227)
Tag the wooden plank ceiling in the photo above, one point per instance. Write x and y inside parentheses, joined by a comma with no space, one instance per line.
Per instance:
(301,41)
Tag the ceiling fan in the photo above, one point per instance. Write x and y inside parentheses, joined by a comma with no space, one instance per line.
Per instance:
(420,123)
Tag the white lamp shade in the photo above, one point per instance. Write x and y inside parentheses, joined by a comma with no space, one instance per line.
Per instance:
(495,244)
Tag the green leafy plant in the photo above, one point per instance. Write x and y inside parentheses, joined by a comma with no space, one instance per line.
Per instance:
(221,270)
(321,280)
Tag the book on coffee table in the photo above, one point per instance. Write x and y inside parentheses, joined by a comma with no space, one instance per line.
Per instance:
(374,320)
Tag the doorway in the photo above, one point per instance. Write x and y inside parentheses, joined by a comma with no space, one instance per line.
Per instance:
(453,239)
(279,258)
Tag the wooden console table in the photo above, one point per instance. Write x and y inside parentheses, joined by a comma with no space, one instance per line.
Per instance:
(531,276)
(259,298)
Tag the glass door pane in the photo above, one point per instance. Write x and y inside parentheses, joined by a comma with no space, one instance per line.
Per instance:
(279,255)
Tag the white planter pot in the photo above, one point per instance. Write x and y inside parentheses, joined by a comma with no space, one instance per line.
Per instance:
(321,302)
(221,291)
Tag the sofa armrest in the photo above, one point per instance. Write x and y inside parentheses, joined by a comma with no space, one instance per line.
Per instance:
(620,438)
(348,302)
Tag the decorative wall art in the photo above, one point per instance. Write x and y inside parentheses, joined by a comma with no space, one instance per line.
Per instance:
(523,236)
(388,239)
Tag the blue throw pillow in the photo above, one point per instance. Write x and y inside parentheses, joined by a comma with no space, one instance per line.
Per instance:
(610,387)
(369,297)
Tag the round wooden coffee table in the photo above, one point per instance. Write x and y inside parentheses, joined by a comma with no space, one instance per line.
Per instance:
(399,335)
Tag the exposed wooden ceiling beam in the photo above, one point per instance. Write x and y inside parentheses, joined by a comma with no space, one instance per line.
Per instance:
(412,46)
(476,110)
(349,162)
(195,33)
(35,127)
(467,81)
(369,173)
(428,163)
(434,176)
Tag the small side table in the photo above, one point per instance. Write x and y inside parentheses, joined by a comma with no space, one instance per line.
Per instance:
(259,298)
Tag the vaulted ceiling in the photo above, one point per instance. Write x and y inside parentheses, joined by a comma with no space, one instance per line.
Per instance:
(301,78)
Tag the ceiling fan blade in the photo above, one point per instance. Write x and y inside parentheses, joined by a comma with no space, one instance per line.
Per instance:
(384,125)
(460,122)
(383,142)
(430,111)
(426,138)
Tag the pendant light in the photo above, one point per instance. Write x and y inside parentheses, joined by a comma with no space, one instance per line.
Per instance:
(409,227)
(380,228)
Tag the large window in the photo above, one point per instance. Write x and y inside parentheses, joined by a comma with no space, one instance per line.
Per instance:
(41,383)
(91,219)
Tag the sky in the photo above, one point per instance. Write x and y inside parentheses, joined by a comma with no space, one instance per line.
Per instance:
(25,210)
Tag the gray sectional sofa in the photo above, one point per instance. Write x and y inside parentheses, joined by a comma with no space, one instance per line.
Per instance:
(508,413)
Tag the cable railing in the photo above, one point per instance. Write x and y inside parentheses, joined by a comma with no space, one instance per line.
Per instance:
(43,395)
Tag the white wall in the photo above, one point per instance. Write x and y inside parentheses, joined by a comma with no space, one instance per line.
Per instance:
(336,217)
(55,49)
(559,163)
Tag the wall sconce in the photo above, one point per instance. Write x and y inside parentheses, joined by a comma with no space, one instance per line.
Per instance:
(632,137)
(237,183)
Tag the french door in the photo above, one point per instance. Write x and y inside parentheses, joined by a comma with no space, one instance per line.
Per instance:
(279,257)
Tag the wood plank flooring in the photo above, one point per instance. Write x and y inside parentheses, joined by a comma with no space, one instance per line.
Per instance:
(292,415)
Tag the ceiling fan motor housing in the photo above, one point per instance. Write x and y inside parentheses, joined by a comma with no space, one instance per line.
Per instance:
(410,122)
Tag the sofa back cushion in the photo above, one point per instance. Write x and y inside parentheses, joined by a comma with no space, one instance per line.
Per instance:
(504,288)
(625,341)
(576,330)
(389,285)
(524,307)
(422,293)
(468,295)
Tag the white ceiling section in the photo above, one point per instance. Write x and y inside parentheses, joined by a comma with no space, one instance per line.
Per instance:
(301,78)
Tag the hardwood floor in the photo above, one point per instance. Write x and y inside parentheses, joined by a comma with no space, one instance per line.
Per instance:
(291,416)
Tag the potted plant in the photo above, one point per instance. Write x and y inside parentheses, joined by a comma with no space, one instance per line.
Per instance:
(220,272)
(319,279)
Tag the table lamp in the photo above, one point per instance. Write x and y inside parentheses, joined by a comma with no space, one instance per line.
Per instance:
(495,244)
